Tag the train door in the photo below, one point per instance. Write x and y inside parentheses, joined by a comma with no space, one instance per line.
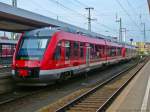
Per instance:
(67,52)
(87,57)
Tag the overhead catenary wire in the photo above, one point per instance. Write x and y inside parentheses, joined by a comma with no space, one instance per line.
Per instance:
(103,25)
(67,8)
(129,16)
(81,15)
(134,11)
(131,6)
(44,9)
(80,3)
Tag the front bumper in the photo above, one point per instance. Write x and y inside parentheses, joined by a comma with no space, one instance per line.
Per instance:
(41,80)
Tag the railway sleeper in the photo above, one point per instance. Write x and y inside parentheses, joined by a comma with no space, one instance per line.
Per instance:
(85,106)
(93,101)
(102,94)
(105,90)
(100,100)
(88,104)
(76,110)
(106,95)
(80,109)
(98,97)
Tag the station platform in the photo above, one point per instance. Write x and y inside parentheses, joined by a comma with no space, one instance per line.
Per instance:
(136,95)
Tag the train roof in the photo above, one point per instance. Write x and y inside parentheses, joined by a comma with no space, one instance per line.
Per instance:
(48,31)
(2,41)
(130,46)
(40,32)
(114,44)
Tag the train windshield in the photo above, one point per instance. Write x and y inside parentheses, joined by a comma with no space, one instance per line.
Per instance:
(32,48)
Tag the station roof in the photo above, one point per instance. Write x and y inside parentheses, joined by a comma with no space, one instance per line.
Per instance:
(18,20)
(148,4)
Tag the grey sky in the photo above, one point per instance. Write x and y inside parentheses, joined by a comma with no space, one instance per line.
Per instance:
(132,12)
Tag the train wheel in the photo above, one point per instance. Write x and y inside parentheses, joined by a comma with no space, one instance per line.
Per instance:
(66,75)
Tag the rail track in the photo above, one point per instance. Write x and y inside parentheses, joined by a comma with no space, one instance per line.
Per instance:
(100,97)
(20,93)
(4,69)
(5,72)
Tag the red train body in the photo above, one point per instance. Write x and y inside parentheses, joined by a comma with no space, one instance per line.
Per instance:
(45,55)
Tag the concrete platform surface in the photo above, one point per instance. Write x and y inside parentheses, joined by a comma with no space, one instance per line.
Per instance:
(135,97)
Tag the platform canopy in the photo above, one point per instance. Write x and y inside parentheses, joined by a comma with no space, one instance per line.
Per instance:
(18,20)
(148,4)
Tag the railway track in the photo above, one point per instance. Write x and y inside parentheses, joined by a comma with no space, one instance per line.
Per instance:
(16,95)
(100,97)
(4,69)
(5,72)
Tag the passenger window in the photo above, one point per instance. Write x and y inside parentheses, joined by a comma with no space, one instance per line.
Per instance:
(113,51)
(57,53)
(108,51)
(67,50)
(92,52)
(0,50)
(119,51)
(97,50)
(101,51)
(76,48)
(81,50)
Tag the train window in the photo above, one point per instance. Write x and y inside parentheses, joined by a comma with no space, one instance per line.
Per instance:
(32,48)
(101,51)
(112,51)
(119,51)
(72,51)
(128,51)
(81,50)
(108,51)
(0,49)
(76,49)
(57,53)
(92,52)
(97,51)
(67,50)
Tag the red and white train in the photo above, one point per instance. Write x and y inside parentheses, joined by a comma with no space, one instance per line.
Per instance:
(45,55)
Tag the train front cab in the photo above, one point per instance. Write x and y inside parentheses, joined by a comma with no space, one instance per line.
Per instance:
(28,58)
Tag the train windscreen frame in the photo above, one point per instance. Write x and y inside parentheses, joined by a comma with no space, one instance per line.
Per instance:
(32,47)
